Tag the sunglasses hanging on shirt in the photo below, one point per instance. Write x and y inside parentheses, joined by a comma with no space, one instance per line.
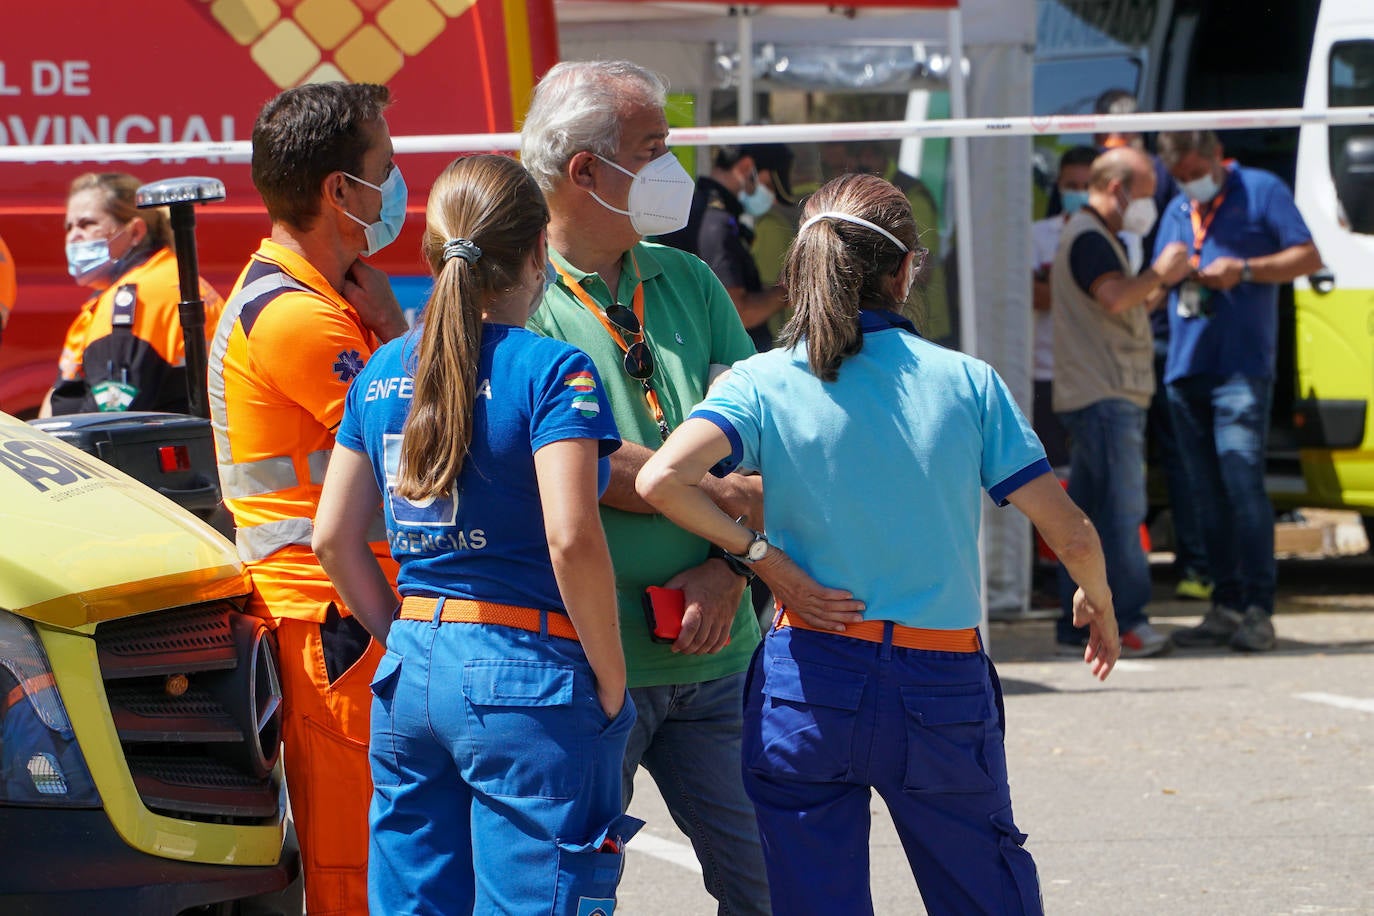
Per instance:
(620,321)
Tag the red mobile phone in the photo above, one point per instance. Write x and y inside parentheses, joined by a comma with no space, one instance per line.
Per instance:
(663,609)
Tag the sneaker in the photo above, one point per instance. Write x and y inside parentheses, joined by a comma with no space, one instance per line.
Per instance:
(1255,633)
(1193,588)
(1142,641)
(1216,629)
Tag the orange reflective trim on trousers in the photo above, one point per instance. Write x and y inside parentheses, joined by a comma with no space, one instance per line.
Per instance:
(965,640)
(457,610)
(328,776)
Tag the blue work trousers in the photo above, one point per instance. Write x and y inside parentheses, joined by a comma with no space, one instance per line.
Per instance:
(688,737)
(828,719)
(1107,481)
(496,775)
(1221,425)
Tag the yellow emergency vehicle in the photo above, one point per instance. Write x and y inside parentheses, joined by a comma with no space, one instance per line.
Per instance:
(140,709)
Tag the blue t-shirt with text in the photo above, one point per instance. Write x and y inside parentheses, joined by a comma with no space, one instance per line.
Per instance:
(486,540)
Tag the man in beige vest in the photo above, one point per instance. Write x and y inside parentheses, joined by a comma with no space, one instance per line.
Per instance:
(1104,379)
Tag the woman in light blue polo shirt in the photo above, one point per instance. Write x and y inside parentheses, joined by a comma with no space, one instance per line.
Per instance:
(874,444)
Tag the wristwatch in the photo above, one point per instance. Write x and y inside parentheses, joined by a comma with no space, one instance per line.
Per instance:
(757,549)
(1246,274)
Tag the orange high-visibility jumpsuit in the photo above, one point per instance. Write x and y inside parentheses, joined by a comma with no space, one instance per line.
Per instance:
(285,350)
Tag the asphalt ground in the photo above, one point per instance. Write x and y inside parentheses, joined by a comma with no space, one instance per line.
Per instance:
(1200,782)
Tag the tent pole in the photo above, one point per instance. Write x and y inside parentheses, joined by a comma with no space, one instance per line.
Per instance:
(963,224)
(746,64)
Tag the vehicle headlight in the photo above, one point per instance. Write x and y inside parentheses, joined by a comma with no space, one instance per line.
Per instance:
(40,761)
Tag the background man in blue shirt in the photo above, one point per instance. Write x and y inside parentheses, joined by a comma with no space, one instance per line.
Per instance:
(1245,237)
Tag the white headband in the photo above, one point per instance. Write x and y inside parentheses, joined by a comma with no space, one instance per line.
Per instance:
(858,221)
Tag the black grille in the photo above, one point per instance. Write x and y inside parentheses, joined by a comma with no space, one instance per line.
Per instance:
(168,642)
(179,687)
(199,788)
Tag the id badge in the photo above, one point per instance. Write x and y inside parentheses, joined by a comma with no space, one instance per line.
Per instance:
(111,396)
(1190,299)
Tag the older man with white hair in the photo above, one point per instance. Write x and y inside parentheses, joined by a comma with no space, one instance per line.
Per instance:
(658,324)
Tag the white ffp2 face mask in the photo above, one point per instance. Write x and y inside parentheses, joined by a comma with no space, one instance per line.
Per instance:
(1139,216)
(1201,189)
(660,195)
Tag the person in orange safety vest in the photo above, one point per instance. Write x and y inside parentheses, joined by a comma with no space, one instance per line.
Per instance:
(125,350)
(301,322)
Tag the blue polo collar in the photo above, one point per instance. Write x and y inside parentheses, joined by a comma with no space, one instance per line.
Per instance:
(871,320)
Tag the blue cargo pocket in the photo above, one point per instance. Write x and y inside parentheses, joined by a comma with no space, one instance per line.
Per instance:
(382,750)
(806,724)
(1025,899)
(947,736)
(524,742)
(589,872)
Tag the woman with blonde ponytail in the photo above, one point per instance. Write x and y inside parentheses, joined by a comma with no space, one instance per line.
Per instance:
(875,445)
(500,707)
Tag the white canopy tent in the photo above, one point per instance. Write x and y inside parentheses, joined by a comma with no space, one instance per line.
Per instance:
(992,194)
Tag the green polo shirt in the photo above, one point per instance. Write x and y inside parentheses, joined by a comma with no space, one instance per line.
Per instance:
(690,323)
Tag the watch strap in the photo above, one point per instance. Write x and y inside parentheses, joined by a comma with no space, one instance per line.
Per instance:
(737,566)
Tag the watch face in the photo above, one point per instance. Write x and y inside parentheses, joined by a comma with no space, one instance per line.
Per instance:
(757,548)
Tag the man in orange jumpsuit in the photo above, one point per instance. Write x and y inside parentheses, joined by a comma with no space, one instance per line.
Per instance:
(302,320)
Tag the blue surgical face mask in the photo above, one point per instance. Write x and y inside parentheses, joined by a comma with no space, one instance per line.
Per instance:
(757,202)
(1201,189)
(388,225)
(89,262)
(1073,201)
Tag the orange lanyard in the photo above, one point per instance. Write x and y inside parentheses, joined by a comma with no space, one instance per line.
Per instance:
(590,304)
(1201,225)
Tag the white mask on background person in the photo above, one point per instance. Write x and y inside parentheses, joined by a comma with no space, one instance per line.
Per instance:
(660,195)
(757,202)
(89,261)
(393,214)
(1139,216)
(1201,189)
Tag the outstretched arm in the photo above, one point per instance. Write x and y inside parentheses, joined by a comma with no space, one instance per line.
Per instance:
(1071,536)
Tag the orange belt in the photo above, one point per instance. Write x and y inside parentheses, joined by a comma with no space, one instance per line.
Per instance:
(31,686)
(965,640)
(459,610)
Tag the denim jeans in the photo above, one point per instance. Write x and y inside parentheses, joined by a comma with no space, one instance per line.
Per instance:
(1107,481)
(1221,425)
(688,737)
(1190,554)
